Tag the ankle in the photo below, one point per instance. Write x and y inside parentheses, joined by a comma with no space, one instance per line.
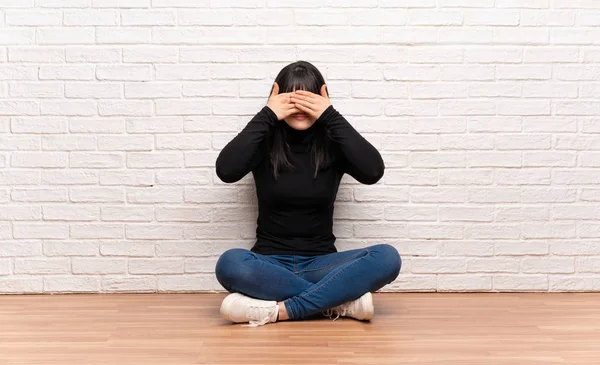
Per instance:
(283,314)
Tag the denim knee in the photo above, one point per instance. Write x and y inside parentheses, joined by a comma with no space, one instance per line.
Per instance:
(390,260)
(229,266)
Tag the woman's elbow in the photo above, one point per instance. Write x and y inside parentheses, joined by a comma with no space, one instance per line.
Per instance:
(227,177)
(374,176)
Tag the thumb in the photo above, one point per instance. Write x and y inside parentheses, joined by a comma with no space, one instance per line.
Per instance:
(275,89)
(324,91)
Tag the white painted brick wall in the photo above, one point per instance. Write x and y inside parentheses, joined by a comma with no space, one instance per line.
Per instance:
(113,112)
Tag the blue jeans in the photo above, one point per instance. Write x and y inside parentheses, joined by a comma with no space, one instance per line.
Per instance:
(308,285)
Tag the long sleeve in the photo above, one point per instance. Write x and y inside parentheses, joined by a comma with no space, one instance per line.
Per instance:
(361,160)
(242,154)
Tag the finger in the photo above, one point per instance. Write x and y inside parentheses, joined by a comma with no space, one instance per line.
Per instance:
(305,109)
(275,89)
(307,104)
(305,93)
(309,98)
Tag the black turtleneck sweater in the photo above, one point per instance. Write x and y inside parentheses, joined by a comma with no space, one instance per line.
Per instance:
(295,212)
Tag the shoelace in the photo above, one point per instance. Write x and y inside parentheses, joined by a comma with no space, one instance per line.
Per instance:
(254,313)
(338,311)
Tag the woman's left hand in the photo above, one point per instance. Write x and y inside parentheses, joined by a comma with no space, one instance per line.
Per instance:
(310,103)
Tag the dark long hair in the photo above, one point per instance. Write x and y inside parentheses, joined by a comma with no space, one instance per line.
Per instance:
(299,75)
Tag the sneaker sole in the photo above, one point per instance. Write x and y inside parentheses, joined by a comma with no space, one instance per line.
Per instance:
(367,302)
(226,306)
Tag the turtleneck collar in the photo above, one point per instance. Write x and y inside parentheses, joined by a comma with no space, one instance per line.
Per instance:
(297,138)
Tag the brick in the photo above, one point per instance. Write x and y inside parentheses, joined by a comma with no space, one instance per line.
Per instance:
(42,266)
(40,230)
(491,17)
(149,18)
(93,54)
(150,195)
(71,284)
(494,195)
(588,265)
(154,125)
(70,213)
(95,266)
(96,230)
(153,231)
(186,283)
(493,265)
(38,159)
(411,177)
(468,283)
(154,160)
(96,195)
(533,142)
(438,18)
(437,159)
(548,230)
(466,214)
(58,177)
(548,265)
(17,36)
(156,266)
(70,35)
(19,108)
(465,248)
(438,90)
(96,160)
(124,73)
(68,143)
(380,230)
(185,177)
(522,214)
(410,213)
(33,18)
(201,265)
(19,143)
(520,282)
(467,142)
(421,265)
(127,178)
(492,231)
(92,90)
(548,195)
(39,195)
(114,35)
(182,107)
(129,284)
(442,55)
(69,107)
(437,195)
(36,90)
(466,177)
(91,17)
(20,285)
(70,248)
(127,248)
(573,283)
(19,178)
(20,213)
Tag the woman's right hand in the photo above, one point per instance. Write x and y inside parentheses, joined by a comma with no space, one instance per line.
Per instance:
(280,103)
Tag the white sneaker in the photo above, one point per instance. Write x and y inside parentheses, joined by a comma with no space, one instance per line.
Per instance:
(239,308)
(361,309)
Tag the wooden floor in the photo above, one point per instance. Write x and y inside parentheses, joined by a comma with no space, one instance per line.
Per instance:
(465,329)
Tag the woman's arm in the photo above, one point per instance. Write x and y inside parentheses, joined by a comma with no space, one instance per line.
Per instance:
(361,159)
(242,154)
